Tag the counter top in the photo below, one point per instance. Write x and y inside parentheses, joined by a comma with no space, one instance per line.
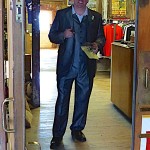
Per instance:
(127,44)
(119,44)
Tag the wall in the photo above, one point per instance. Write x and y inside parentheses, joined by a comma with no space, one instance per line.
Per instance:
(50,7)
(130,8)
(58,4)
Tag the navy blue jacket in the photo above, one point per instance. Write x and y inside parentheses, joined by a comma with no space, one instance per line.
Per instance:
(63,21)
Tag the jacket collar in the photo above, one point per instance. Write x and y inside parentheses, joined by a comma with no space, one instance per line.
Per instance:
(84,14)
(91,17)
(69,16)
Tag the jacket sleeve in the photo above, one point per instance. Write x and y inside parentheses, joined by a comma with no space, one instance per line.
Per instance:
(55,34)
(101,36)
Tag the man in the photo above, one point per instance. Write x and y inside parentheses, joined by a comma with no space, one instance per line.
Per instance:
(72,28)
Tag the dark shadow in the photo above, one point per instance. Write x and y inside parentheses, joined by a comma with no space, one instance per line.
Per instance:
(143,3)
(123,114)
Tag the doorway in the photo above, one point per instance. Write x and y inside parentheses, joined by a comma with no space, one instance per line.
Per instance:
(106,127)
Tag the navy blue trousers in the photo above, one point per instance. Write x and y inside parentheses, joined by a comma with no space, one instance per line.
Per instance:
(83,87)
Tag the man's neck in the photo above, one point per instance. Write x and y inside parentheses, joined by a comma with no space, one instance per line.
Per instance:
(79,10)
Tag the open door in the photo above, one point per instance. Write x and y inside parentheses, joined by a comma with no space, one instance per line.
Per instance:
(12,136)
(142,76)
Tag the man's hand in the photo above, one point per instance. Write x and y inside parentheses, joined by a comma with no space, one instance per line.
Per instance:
(95,47)
(68,33)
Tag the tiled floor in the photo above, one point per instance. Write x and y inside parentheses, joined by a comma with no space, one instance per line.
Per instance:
(106,129)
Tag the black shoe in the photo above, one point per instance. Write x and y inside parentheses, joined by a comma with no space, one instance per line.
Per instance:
(78,136)
(55,142)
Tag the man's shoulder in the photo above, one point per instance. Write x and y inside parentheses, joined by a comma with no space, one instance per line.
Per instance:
(94,12)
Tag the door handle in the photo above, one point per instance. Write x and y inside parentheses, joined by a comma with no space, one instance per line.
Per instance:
(4,124)
(146,78)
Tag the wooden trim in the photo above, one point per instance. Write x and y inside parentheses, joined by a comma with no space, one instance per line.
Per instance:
(137,131)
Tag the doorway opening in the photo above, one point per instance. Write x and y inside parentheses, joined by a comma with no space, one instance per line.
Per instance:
(45,21)
(105,125)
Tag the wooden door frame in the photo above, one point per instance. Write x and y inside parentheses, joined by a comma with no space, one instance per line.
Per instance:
(138,110)
(16,73)
(134,83)
(136,117)
(2,133)
(18,77)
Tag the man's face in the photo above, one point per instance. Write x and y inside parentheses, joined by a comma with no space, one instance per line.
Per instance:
(80,3)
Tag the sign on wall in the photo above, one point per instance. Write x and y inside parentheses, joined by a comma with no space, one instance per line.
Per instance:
(118,8)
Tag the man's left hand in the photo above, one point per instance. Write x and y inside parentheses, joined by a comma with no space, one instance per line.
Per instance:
(95,47)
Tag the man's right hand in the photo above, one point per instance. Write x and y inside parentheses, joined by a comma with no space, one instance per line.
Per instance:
(68,33)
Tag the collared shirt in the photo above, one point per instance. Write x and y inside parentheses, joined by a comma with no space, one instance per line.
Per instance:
(80,16)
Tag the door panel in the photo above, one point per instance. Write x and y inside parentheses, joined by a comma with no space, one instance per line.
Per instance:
(2,133)
(143,25)
(10,136)
(141,93)
(18,73)
(16,110)
(143,97)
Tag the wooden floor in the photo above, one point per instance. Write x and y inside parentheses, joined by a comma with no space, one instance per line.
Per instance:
(106,128)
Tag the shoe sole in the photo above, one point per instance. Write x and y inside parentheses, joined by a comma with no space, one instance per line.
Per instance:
(77,140)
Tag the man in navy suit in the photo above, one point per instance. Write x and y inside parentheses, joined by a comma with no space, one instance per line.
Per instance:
(72,28)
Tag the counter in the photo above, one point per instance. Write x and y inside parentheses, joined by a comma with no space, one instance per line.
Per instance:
(122,77)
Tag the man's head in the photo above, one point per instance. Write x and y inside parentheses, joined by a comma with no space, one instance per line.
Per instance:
(80,3)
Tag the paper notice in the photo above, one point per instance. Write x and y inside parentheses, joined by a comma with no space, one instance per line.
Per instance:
(88,51)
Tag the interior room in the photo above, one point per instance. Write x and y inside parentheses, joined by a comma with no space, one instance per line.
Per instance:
(115,135)
(118,113)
